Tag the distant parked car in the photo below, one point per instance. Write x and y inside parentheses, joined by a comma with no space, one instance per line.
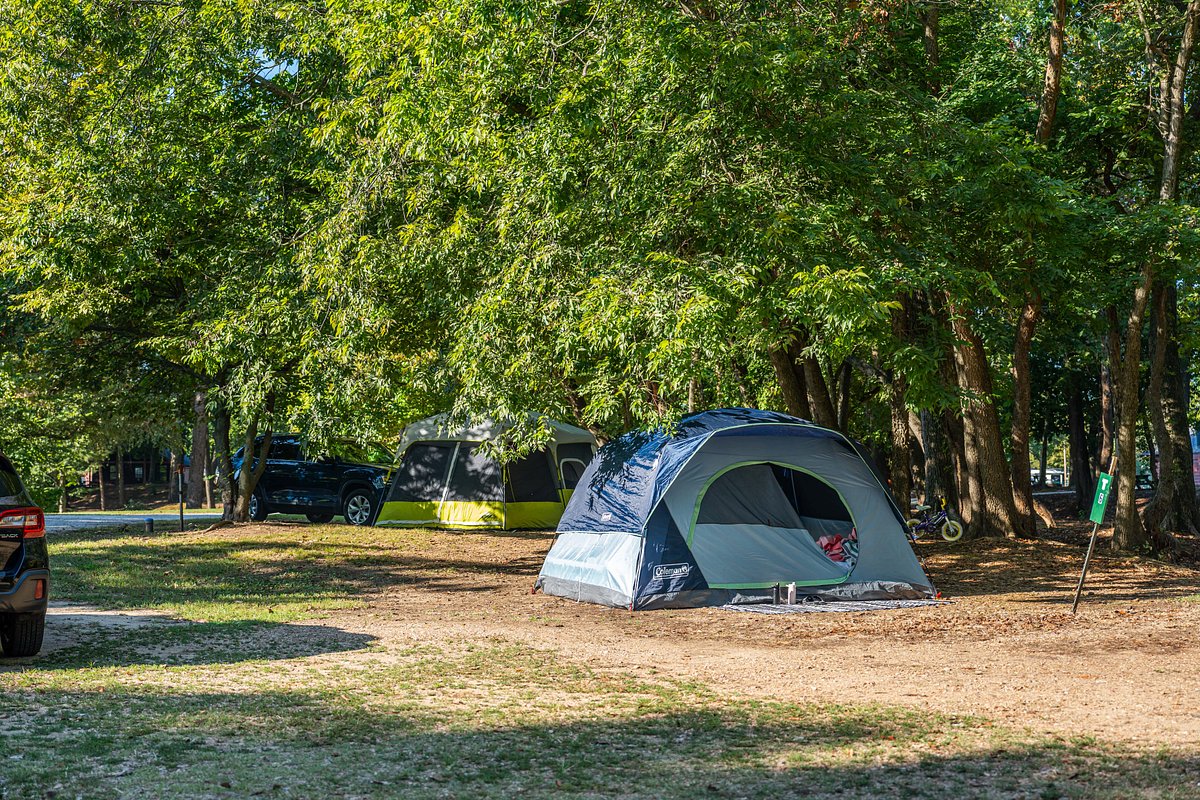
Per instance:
(25,579)
(348,479)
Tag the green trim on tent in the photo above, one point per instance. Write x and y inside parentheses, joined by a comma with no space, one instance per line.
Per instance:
(472,514)
(412,512)
(902,515)
(739,465)
(773,583)
(537,515)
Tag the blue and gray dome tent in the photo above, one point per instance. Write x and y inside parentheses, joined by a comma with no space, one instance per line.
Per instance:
(725,507)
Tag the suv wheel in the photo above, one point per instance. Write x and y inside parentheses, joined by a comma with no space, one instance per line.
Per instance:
(320,518)
(358,507)
(21,634)
(258,507)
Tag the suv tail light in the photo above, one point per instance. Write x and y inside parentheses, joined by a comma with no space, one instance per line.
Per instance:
(30,522)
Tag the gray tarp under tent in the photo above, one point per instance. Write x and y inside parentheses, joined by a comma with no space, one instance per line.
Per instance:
(725,507)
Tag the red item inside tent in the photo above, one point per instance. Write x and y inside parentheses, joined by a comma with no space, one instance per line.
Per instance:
(832,545)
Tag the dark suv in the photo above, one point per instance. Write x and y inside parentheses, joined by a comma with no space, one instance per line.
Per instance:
(348,479)
(25,579)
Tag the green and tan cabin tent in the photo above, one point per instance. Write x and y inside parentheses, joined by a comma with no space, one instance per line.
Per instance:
(444,478)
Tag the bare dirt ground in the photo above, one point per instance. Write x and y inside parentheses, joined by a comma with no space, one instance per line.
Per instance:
(1007,648)
(66,621)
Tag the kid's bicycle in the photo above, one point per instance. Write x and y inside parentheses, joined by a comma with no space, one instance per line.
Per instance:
(930,521)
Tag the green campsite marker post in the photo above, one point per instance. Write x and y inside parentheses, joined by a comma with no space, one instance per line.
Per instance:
(1103,490)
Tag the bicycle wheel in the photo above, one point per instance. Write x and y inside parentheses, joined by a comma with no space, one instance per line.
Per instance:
(952,530)
(913,524)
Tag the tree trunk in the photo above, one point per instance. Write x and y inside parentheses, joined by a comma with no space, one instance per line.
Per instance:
(1019,440)
(1151,450)
(742,376)
(916,454)
(958,484)
(791,382)
(1044,454)
(818,394)
(929,20)
(103,481)
(1173,105)
(121,478)
(988,470)
(1110,367)
(1128,531)
(900,461)
(235,493)
(973,512)
(199,456)
(695,395)
(1173,507)
(248,476)
(845,382)
(1176,398)
(1053,80)
(172,482)
(208,484)
(933,445)
(1081,468)
(63,500)
(221,442)
(653,393)
(1104,454)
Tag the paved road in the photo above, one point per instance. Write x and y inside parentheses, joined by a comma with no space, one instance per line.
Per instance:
(162,522)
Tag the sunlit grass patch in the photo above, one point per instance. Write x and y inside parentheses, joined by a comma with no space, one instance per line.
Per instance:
(274,573)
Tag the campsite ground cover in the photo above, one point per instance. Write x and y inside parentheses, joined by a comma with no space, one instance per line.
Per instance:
(287,660)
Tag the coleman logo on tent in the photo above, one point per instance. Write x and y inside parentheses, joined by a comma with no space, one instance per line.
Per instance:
(663,571)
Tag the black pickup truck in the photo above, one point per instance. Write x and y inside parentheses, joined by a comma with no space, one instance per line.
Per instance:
(25,579)
(346,478)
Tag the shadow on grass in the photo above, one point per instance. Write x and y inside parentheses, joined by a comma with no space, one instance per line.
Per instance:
(1048,574)
(113,571)
(278,744)
(83,639)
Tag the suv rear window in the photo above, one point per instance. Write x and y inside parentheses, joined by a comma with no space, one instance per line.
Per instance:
(10,484)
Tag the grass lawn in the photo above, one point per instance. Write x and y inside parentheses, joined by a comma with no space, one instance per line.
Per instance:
(234,673)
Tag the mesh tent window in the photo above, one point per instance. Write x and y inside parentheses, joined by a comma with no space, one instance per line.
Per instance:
(421,476)
(531,480)
(572,471)
(781,497)
(573,459)
(475,476)
(810,496)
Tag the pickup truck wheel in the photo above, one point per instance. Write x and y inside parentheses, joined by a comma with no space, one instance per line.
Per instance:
(21,634)
(320,518)
(258,507)
(358,507)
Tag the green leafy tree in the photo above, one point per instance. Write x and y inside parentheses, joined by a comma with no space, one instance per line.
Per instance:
(156,173)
